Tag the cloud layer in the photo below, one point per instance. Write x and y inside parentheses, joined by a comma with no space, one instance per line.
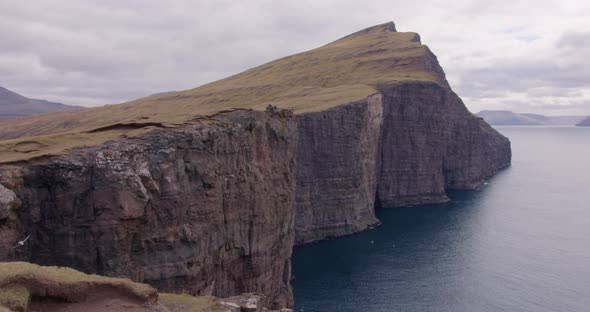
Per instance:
(527,56)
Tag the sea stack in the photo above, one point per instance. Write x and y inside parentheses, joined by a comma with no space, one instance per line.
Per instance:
(205,191)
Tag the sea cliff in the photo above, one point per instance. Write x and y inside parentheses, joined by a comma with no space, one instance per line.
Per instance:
(404,146)
(205,191)
(205,209)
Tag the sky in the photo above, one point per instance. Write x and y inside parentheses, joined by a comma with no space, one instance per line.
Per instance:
(525,56)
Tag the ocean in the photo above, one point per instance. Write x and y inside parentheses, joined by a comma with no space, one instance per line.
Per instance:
(519,243)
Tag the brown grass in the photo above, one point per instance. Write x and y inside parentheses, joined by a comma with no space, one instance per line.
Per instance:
(341,72)
(20,280)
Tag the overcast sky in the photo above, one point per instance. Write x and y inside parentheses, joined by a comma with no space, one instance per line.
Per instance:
(527,56)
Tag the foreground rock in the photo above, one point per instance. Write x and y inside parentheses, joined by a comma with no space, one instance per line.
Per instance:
(28,287)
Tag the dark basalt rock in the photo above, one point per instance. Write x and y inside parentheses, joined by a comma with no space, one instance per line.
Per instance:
(402,147)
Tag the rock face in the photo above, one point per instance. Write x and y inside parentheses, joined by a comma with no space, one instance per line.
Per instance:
(444,146)
(337,159)
(206,209)
(404,146)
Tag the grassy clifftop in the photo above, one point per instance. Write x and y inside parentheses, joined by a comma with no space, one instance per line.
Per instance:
(344,71)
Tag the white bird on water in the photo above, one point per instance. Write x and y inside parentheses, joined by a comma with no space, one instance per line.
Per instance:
(21,243)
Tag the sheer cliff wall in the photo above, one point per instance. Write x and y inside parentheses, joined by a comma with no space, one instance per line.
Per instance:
(404,146)
(206,209)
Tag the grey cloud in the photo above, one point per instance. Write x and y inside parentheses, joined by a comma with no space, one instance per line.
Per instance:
(558,73)
(110,51)
(577,40)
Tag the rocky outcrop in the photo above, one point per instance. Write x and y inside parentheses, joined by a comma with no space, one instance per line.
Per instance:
(28,287)
(248,302)
(205,209)
(8,201)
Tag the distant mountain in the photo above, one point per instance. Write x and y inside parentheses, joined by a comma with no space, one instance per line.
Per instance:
(584,123)
(509,118)
(14,105)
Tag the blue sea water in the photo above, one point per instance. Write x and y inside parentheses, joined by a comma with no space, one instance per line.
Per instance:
(520,243)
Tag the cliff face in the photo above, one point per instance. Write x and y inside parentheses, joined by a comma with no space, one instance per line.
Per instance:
(337,157)
(443,146)
(404,146)
(205,209)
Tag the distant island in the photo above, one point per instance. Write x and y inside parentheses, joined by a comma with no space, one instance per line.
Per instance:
(584,123)
(510,118)
(13,105)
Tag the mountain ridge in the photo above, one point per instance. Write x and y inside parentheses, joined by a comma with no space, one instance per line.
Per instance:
(14,105)
(510,118)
